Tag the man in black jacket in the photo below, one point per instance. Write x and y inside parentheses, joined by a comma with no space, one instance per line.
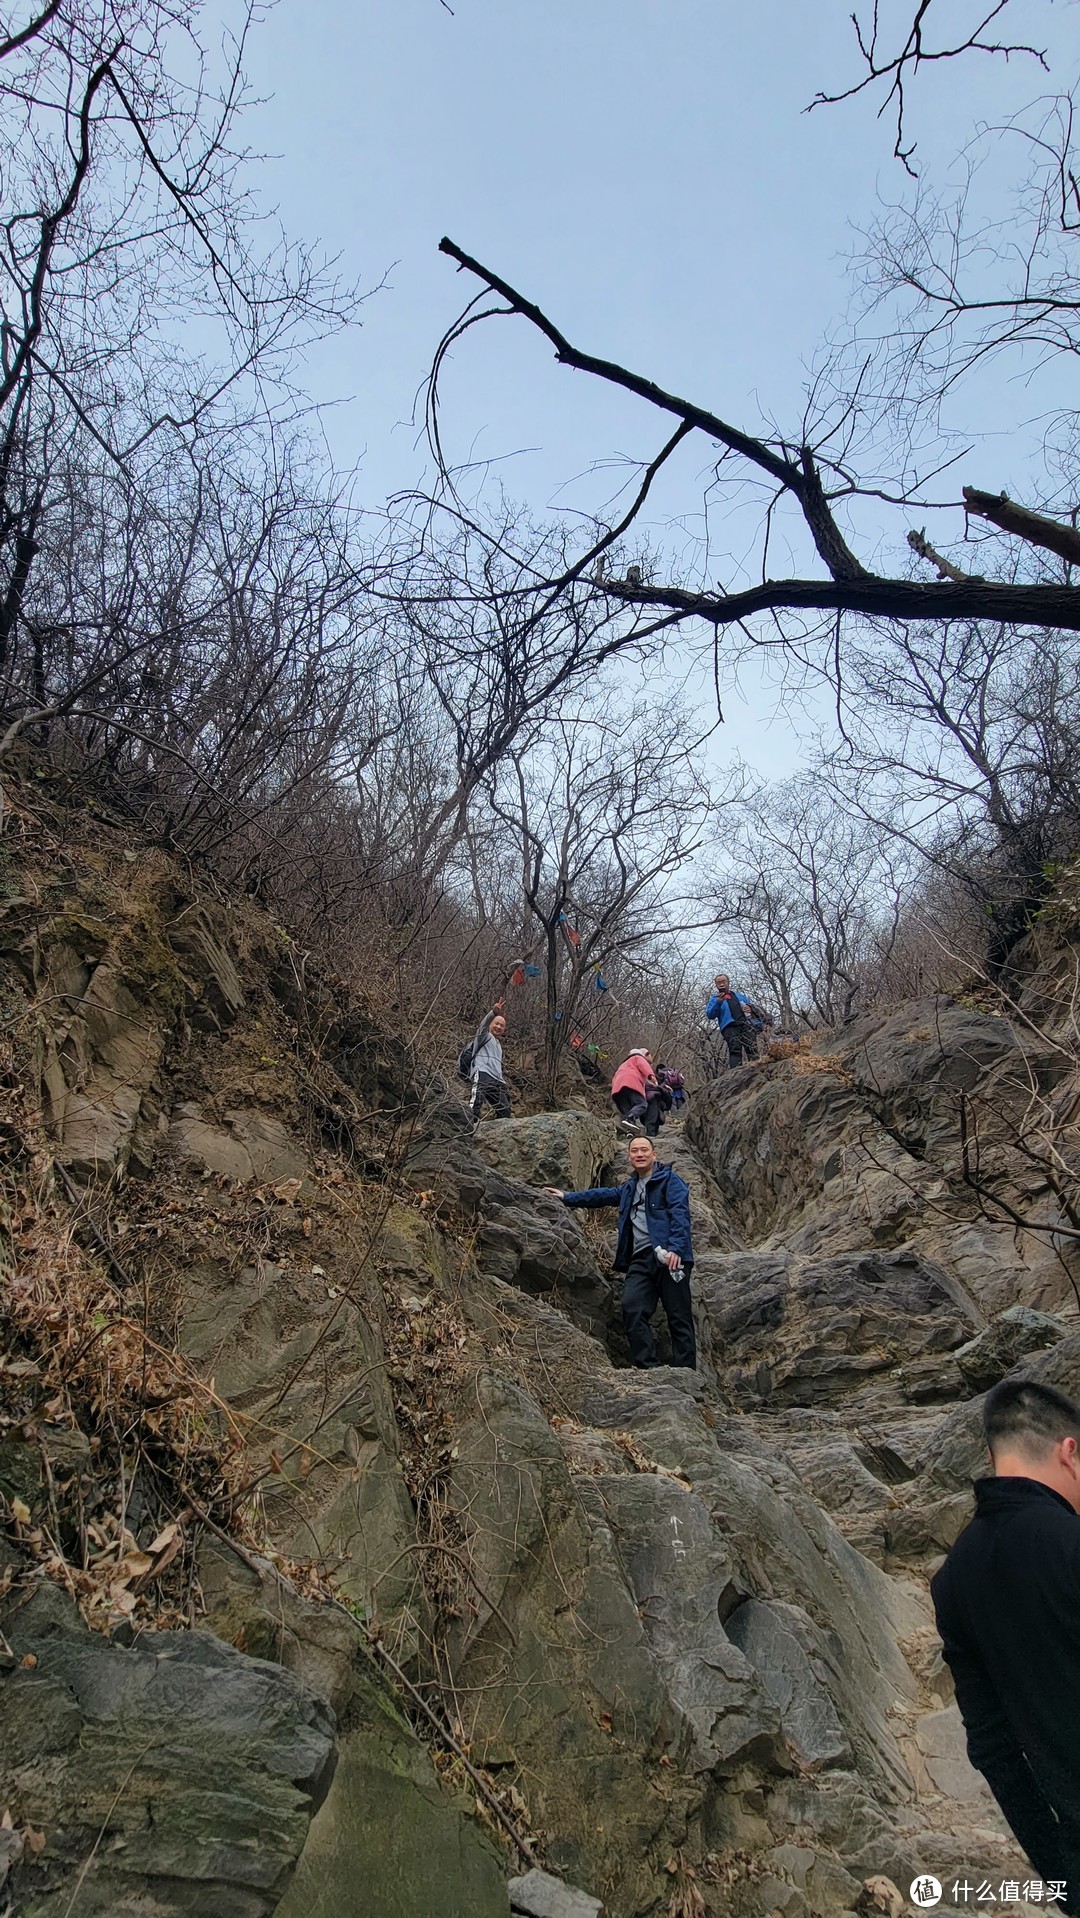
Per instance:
(654,1251)
(1008,1609)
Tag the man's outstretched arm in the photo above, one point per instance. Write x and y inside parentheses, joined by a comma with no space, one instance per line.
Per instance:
(594,1197)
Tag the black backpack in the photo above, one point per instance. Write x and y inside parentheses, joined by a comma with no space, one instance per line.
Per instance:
(464,1062)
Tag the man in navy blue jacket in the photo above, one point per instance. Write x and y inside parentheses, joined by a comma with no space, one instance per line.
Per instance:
(1008,1609)
(654,1251)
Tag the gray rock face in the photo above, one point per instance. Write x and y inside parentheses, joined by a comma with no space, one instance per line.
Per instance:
(942,1746)
(565,1149)
(1019,1331)
(553,1660)
(833,1471)
(386,1834)
(528,1240)
(295,1344)
(685,1582)
(98,1074)
(860,1145)
(822,1885)
(114,1001)
(538,1895)
(795,1331)
(523,1237)
(178,1775)
(255,1146)
(784,1646)
(955,1454)
(387,1840)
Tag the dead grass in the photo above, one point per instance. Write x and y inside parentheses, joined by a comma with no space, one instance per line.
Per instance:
(805,1061)
(116,1456)
(781,1049)
(805,1064)
(99,1420)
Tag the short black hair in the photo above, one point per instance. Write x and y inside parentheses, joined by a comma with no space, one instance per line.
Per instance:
(1021,1415)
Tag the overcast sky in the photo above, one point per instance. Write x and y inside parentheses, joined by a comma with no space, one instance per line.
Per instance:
(643,169)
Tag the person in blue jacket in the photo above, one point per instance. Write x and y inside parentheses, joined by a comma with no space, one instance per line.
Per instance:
(654,1251)
(738,1018)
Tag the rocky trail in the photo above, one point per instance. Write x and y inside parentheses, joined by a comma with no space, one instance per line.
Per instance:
(797,1504)
(376,1462)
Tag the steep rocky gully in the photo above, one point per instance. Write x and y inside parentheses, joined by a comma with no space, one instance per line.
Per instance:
(316,1432)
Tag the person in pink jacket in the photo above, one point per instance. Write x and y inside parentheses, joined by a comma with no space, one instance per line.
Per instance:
(636,1093)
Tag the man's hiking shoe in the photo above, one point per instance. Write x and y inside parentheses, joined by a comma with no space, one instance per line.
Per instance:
(629,1125)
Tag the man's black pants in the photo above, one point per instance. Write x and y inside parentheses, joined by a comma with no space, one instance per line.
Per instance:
(494,1092)
(1051,1838)
(741,1042)
(639,1110)
(648,1284)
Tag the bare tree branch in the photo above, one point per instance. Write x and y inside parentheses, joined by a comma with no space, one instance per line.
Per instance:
(919,544)
(30,31)
(913,54)
(799,477)
(1035,528)
(935,600)
(851,587)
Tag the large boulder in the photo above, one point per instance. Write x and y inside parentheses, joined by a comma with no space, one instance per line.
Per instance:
(684,1580)
(415,1849)
(172,1776)
(565,1149)
(558,1682)
(789,1654)
(521,1235)
(862,1142)
(536,1894)
(528,1239)
(1017,1333)
(782,1547)
(300,1347)
(808,1331)
(389,1841)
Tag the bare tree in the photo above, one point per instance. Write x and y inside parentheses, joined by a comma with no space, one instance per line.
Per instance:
(200,640)
(811,897)
(500,626)
(127,230)
(963,744)
(605,812)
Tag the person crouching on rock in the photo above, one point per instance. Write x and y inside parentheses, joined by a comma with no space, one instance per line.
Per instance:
(636,1094)
(654,1251)
(671,1079)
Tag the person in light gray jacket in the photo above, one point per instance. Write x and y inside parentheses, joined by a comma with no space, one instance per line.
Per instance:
(486,1069)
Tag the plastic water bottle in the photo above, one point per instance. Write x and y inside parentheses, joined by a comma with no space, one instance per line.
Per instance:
(662,1255)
